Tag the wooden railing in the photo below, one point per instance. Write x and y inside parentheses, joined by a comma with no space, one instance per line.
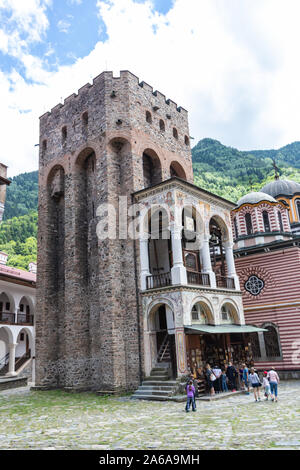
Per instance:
(159,280)
(199,279)
(225,282)
(6,317)
(24,319)
(21,360)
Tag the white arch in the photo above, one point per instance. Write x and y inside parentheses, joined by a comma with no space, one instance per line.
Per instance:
(11,299)
(226,229)
(235,309)
(9,332)
(207,303)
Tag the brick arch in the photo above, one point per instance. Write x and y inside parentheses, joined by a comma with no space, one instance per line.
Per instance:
(177,170)
(152,167)
(260,272)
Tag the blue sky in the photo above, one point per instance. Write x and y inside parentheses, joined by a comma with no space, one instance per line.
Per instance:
(233,64)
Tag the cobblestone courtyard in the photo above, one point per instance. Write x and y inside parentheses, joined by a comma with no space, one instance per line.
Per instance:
(57,420)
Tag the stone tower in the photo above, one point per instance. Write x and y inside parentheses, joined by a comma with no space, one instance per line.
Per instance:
(113,138)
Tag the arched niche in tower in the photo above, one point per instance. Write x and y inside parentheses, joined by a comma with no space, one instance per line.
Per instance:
(120,171)
(56,226)
(152,170)
(85,184)
(177,170)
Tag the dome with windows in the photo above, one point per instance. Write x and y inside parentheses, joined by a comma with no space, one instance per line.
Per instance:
(280,187)
(254,198)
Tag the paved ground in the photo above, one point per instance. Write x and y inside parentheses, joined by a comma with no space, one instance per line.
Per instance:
(57,420)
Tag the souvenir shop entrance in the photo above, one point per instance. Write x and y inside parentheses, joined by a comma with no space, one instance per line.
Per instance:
(217,349)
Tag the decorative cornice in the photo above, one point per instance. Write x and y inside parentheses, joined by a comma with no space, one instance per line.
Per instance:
(188,188)
(189,288)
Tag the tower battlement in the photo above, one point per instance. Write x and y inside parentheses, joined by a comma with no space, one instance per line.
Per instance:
(108,76)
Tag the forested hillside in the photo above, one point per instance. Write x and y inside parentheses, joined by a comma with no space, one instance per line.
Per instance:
(226,171)
(232,173)
(22,195)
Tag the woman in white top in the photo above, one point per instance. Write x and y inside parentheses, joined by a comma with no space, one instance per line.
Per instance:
(255,382)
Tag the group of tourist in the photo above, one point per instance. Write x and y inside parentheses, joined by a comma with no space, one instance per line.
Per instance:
(223,380)
(269,383)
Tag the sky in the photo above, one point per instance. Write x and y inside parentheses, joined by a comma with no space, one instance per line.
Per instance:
(233,64)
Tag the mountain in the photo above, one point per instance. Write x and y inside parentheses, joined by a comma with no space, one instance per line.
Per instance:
(21,195)
(232,173)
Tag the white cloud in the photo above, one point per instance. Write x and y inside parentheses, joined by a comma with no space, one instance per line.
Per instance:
(63,26)
(234,65)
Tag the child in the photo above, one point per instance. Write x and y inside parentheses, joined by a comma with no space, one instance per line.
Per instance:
(266,385)
(190,390)
(224,381)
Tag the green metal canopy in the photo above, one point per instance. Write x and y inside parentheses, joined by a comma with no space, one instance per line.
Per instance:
(215,329)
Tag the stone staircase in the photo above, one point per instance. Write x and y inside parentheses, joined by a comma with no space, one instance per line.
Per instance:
(156,387)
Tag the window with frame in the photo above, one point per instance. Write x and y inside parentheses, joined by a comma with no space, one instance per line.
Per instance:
(235,228)
(248,220)
(280,221)
(266,221)
(226,314)
(298,208)
(271,342)
(199,314)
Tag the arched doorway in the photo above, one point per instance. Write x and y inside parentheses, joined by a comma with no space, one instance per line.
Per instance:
(162,341)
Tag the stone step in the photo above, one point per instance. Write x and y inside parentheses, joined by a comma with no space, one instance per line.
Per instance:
(159,374)
(156,387)
(163,393)
(157,378)
(159,382)
(150,397)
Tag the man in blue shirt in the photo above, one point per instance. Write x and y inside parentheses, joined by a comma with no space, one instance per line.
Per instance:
(246,378)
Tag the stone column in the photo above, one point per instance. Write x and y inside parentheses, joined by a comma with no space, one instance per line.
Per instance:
(144,262)
(178,270)
(231,272)
(12,359)
(181,352)
(206,260)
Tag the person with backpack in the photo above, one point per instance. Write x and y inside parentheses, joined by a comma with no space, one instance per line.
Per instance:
(210,377)
(274,381)
(255,382)
(190,391)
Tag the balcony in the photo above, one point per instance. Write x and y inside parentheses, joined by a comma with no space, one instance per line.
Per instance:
(7,318)
(198,279)
(159,280)
(25,319)
(225,282)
